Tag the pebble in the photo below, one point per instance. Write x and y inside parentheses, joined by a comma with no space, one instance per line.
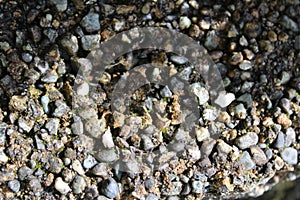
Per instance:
(52,126)
(61,186)
(35,185)
(108,156)
(184,23)
(179,60)
(207,147)
(77,167)
(61,108)
(288,23)
(279,143)
(297,42)
(224,99)
(246,98)
(70,43)
(24,172)
(209,114)
(245,65)
(109,188)
(45,103)
(95,127)
(39,143)
(14,185)
(246,161)
(78,185)
(50,77)
(212,40)
(285,105)
(26,57)
(290,136)
(247,140)
(200,92)
(201,133)
(3,157)
(60,5)
(197,187)
(240,111)
(89,162)
(77,126)
(152,196)
(25,125)
(243,41)
(284,120)
(107,139)
(290,155)
(83,89)
(90,22)
(83,64)
(258,155)
(223,147)
(100,170)
(55,165)
(252,29)
(90,42)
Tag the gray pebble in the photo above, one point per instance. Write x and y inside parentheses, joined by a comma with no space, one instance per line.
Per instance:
(288,23)
(61,108)
(27,57)
(90,22)
(197,187)
(212,40)
(149,183)
(285,105)
(179,60)
(245,65)
(290,136)
(60,5)
(107,155)
(207,147)
(166,92)
(290,155)
(14,185)
(247,140)
(246,161)
(25,124)
(90,42)
(279,143)
(52,126)
(70,43)
(35,184)
(240,111)
(110,188)
(3,127)
(100,170)
(246,98)
(200,92)
(95,127)
(78,185)
(89,162)
(55,165)
(39,143)
(24,172)
(50,77)
(77,126)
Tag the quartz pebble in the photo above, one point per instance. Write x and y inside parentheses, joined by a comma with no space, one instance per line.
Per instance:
(61,186)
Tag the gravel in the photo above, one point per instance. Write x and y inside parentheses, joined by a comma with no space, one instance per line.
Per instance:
(61,186)
(109,188)
(290,155)
(247,140)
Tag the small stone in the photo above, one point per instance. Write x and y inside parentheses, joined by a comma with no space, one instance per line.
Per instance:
(27,57)
(95,127)
(288,23)
(77,167)
(179,60)
(246,98)
(212,40)
(184,22)
(252,29)
(39,143)
(70,43)
(60,5)
(45,101)
(108,156)
(83,89)
(55,165)
(284,120)
(200,92)
(207,147)
(290,136)
(236,58)
(52,126)
(90,42)
(100,170)
(90,22)
(89,162)
(110,188)
(61,186)
(285,105)
(204,24)
(243,41)
(224,99)
(18,103)
(279,143)
(107,139)
(245,65)
(258,155)
(240,111)
(247,140)
(24,172)
(201,133)
(272,36)
(50,77)
(35,184)
(174,189)
(146,8)
(209,114)
(223,147)
(78,185)
(197,187)
(77,126)
(246,161)
(25,125)
(14,185)
(61,108)
(3,157)
(83,65)
(290,155)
